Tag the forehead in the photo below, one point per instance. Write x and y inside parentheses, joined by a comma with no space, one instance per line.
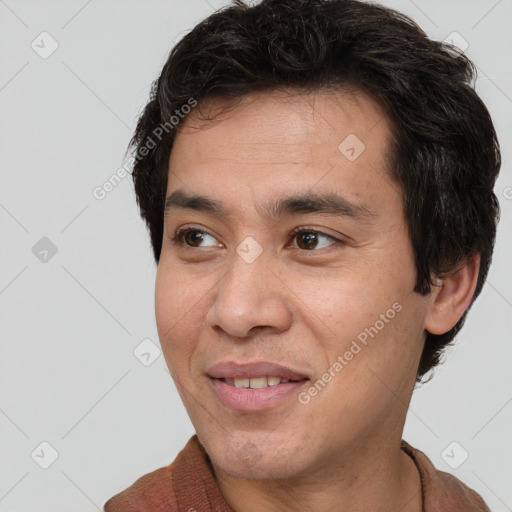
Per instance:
(270,122)
(274,143)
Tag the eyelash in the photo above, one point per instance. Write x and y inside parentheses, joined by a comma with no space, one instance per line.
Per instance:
(182,232)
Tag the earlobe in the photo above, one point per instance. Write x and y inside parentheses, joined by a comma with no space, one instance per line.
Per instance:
(451,297)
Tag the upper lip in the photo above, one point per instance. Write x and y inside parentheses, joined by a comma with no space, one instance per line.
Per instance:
(232,370)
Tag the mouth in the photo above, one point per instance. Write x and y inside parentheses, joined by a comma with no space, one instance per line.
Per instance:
(256,382)
(252,387)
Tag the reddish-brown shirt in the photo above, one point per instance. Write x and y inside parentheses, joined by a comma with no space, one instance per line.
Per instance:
(188,485)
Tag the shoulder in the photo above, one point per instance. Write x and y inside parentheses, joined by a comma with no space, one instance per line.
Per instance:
(443,491)
(151,492)
(186,485)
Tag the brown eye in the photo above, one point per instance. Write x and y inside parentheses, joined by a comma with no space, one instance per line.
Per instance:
(307,241)
(194,238)
(311,240)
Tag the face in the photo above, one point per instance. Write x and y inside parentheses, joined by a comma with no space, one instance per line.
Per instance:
(286,256)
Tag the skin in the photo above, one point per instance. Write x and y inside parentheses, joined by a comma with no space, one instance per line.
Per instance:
(300,307)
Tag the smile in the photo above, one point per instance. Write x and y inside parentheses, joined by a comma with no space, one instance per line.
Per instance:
(255,386)
(255,382)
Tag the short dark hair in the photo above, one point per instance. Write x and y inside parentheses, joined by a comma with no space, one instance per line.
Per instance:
(444,152)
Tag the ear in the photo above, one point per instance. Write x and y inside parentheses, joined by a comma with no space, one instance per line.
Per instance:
(451,297)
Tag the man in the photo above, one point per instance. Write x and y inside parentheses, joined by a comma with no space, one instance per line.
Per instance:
(317,178)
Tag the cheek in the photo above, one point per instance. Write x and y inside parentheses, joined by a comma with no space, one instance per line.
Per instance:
(340,304)
(364,285)
(177,306)
(370,313)
(377,360)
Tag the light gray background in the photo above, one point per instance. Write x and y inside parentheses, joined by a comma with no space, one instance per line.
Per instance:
(69,326)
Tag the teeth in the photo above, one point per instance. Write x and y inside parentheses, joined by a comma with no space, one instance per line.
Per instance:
(241,383)
(273,381)
(256,382)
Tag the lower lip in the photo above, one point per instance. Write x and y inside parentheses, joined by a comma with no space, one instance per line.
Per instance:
(247,399)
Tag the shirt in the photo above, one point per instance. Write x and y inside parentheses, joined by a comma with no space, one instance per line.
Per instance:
(189,485)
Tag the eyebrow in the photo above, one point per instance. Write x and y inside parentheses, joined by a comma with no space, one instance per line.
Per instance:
(330,204)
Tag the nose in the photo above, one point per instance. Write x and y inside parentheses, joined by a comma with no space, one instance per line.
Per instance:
(250,298)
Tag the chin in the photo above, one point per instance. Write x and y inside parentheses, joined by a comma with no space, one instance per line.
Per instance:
(253,456)
(262,469)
